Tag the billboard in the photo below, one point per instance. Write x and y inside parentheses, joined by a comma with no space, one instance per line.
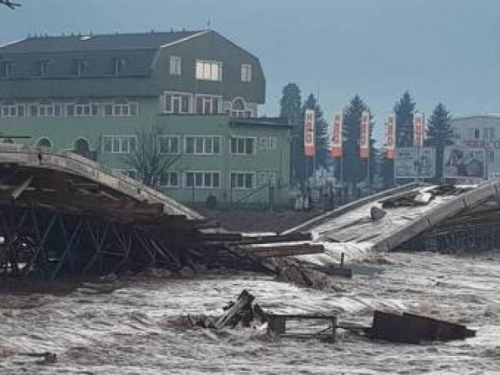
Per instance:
(309,130)
(464,163)
(409,160)
(364,139)
(337,135)
(390,137)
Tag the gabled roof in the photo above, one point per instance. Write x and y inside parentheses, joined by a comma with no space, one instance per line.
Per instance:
(109,42)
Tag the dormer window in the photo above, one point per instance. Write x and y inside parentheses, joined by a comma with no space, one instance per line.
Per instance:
(6,69)
(246,73)
(119,65)
(175,65)
(208,70)
(43,67)
(81,67)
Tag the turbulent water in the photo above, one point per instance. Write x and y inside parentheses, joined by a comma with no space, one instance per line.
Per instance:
(126,326)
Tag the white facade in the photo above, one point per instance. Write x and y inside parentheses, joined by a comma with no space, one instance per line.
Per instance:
(480,132)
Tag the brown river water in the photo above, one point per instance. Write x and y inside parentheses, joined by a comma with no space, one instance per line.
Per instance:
(127,327)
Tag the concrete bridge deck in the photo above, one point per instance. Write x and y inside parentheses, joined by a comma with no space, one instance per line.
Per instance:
(424,217)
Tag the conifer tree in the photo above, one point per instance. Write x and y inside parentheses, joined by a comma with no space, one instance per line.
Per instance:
(291,109)
(354,167)
(439,135)
(404,110)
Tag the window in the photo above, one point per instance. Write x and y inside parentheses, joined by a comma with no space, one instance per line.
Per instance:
(203,180)
(175,65)
(273,143)
(177,102)
(263,144)
(44,142)
(208,70)
(476,134)
(81,67)
(246,73)
(202,145)
(83,110)
(49,110)
(6,69)
(238,109)
(11,109)
(207,104)
(119,65)
(170,179)
(242,146)
(33,110)
(169,144)
(43,68)
(242,180)
(489,134)
(119,144)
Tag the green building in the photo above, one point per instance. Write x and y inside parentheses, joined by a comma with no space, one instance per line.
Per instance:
(196,91)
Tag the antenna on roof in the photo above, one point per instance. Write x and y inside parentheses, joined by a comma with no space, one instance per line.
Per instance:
(208,25)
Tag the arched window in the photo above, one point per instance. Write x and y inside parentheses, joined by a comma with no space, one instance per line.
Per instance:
(82,147)
(239,108)
(238,105)
(44,142)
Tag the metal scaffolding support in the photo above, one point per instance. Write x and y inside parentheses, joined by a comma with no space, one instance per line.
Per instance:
(49,243)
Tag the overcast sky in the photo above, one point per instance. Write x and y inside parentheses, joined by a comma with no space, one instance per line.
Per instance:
(441,50)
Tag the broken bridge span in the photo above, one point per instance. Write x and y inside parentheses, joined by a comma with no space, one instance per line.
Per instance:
(63,214)
(442,218)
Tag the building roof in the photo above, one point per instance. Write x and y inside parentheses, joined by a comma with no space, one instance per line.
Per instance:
(494,116)
(108,42)
(100,52)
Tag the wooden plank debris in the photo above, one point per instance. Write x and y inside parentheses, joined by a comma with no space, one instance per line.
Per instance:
(277,325)
(283,250)
(242,305)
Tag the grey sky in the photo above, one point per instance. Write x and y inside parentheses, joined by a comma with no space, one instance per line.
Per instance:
(441,50)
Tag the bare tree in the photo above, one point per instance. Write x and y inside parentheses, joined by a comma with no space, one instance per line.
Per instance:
(150,158)
(11,4)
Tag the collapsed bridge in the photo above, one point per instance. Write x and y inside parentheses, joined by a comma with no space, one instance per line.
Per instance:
(422,217)
(61,213)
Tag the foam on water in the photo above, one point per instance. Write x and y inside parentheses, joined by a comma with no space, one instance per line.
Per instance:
(129,330)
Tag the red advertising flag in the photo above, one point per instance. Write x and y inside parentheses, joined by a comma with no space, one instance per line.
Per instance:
(337,135)
(418,130)
(390,137)
(364,139)
(309,130)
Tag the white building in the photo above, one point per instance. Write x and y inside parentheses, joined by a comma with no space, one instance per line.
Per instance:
(479,137)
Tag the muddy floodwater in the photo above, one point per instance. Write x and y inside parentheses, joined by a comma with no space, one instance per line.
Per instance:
(125,326)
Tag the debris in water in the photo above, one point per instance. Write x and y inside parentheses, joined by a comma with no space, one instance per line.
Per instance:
(413,329)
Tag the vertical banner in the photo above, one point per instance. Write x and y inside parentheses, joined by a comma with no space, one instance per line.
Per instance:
(364,139)
(418,130)
(309,129)
(337,135)
(390,136)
